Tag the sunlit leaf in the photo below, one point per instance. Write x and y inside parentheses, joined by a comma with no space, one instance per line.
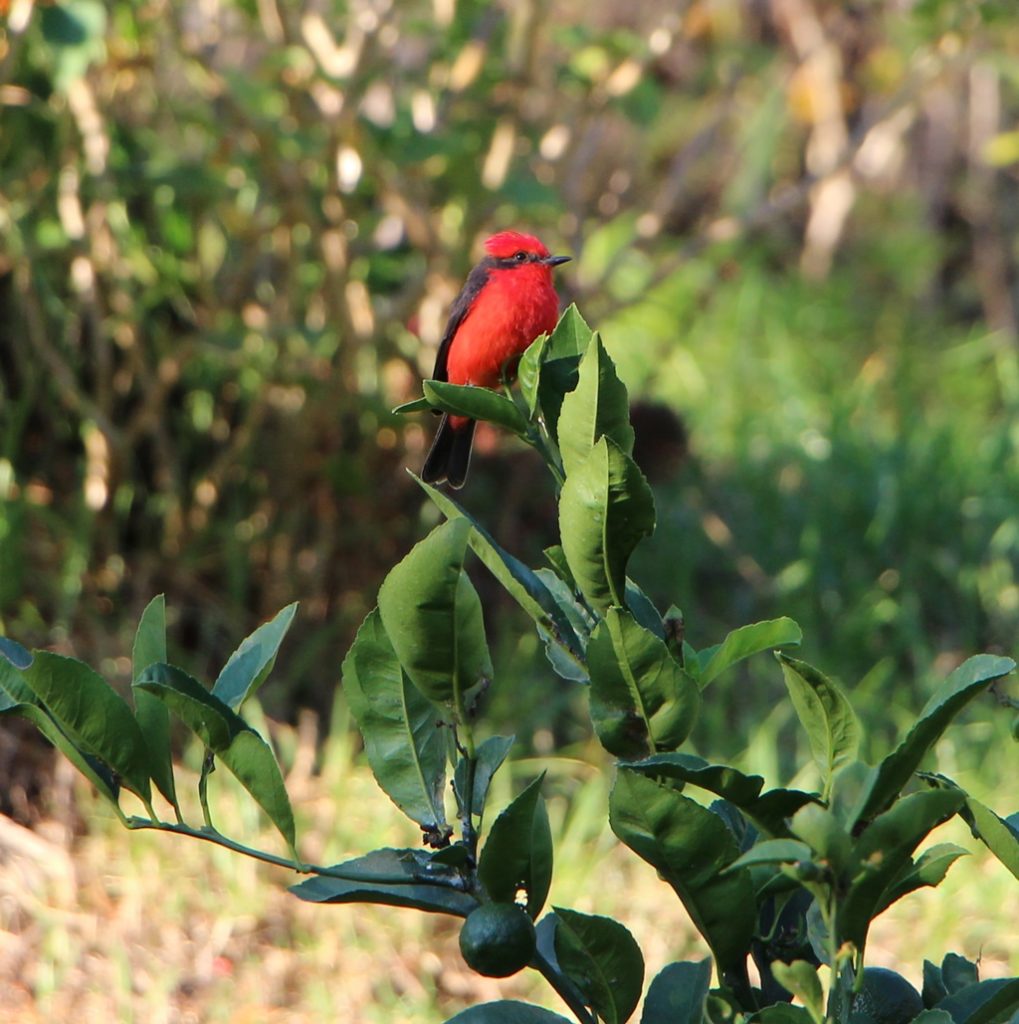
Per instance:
(248,666)
(518,852)
(476,404)
(404,741)
(605,509)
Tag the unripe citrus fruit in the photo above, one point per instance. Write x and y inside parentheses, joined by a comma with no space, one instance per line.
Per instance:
(497,939)
(886,997)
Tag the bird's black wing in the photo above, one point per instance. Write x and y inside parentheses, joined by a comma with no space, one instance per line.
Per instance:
(461,307)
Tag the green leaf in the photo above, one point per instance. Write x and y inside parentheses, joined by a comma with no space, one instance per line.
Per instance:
(934,989)
(820,829)
(603,959)
(884,849)
(801,980)
(743,642)
(690,847)
(642,608)
(605,509)
(969,679)
(958,973)
(74,31)
(993,832)
(524,585)
(677,994)
(433,617)
(774,851)
(518,852)
(641,699)
(529,372)
(403,738)
(94,717)
(597,407)
(720,779)
(151,714)
(929,869)
(507,1011)
(987,1002)
(395,878)
(228,736)
(16,698)
(418,405)
(932,1017)
(13,652)
(476,404)
(825,713)
(567,664)
(248,666)
(571,336)
(490,755)
(780,1013)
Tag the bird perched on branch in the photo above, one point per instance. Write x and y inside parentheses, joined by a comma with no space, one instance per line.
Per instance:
(507,301)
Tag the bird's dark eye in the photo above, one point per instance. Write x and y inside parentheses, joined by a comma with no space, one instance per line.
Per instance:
(520,256)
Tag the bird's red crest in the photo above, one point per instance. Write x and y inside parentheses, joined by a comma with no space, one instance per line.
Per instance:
(506,243)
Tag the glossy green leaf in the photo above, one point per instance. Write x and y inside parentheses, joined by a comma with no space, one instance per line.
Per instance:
(677,993)
(966,682)
(476,404)
(641,699)
(507,1011)
(523,584)
(16,698)
(403,738)
(395,878)
(248,666)
(529,372)
(228,736)
(690,847)
(821,830)
(720,779)
(993,832)
(746,641)
(603,960)
(433,617)
(566,663)
(571,336)
(774,851)
(152,715)
(490,755)
(642,608)
(884,849)
(825,713)
(94,717)
(929,869)
(418,405)
(605,509)
(994,1001)
(518,852)
(597,407)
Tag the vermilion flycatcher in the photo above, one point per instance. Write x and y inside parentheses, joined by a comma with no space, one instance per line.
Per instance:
(507,302)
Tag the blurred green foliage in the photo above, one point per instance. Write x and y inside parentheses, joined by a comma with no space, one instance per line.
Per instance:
(230,232)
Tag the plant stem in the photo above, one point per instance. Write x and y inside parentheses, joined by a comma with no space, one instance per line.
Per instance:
(210,835)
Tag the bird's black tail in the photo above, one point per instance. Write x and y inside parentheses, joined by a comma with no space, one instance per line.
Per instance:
(450,455)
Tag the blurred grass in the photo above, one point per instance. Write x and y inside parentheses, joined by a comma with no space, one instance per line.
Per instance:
(98,925)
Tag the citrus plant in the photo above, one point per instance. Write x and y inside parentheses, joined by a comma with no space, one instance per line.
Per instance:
(787,879)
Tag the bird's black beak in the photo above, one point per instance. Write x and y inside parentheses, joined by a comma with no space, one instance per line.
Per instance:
(554,261)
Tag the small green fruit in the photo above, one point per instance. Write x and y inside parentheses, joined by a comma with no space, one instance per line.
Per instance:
(886,997)
(497,939)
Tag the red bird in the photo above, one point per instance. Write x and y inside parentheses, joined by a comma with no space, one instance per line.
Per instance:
(507,302)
